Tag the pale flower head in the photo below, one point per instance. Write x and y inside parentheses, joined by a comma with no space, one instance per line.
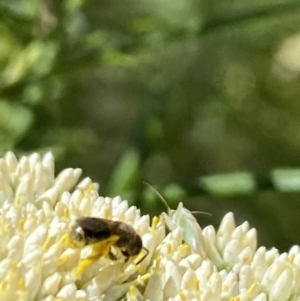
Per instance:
(184,262)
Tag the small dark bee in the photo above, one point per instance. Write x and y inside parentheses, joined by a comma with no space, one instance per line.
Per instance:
(107,233)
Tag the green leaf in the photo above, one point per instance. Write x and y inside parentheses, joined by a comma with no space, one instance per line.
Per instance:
(125,174)
(15,121)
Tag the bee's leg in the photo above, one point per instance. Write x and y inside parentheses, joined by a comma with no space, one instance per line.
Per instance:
(99,249)
(126,255)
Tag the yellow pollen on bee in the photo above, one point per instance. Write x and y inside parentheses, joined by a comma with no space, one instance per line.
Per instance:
(102,248)
(66,240)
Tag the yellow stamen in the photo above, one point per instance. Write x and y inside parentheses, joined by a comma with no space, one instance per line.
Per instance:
(90,188)
(154,222)
(138,268)
(63,258)
(169,249)
(17,201)
(22,286)
(139,258)
(21,225)
(291,258)
(46,243)
(146,276)
(157,262)
(14,267)
(132,292)
(107,213)
(196,285)
(251,288)
(183,249)
(182,296)
(70,243)
(3,285)
(102,248)
(141,279)
(66,212)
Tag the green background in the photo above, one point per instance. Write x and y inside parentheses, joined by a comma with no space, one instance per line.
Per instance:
(162,91)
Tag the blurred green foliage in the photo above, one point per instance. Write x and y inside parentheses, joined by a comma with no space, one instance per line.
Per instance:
(161,91)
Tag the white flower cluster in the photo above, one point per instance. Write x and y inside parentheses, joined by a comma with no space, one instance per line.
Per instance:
(184,263)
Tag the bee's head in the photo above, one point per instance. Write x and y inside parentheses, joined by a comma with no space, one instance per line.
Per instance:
(135,246)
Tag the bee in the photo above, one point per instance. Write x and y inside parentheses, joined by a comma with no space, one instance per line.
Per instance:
(104,234)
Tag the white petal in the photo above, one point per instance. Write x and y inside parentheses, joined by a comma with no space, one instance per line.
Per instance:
(281,290)
(51,284)
(154,288)
(33,282)
(68,292)
(227,226)
(260,297)
(84,184)
(48,163)
(12,161)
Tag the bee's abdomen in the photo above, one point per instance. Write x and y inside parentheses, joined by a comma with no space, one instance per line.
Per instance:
(90,229)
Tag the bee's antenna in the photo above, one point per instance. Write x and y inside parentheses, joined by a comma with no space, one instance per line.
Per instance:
(158,194)
(201,212)
(166,204)
(142,258)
